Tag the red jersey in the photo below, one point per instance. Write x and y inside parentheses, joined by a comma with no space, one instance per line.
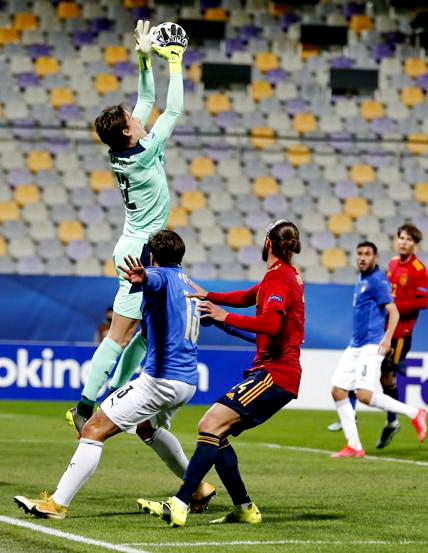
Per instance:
(409,282)
(278,324)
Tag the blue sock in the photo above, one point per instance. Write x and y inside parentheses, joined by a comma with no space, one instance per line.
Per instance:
(202,460)
(226,465)
(353,399)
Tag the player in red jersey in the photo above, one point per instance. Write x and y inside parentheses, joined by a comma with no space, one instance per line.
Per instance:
(271,383)
(409,282)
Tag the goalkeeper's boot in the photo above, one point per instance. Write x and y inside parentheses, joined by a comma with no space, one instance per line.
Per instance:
(348,451)
(201,498)
(420,424)
(75,419)
(388,432)
(45,507)
(173,511)
(249,515)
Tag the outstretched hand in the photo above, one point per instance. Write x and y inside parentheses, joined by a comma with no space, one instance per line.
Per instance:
(199,291)
(214,311)
(134,271)
(143,35)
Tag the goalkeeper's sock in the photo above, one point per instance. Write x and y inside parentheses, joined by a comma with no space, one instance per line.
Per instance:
(129,361)
(102,363)
(226,465)
(202,460)
(169,450)
(81,467)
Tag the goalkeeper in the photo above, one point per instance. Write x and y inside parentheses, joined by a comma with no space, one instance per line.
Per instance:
(137,161)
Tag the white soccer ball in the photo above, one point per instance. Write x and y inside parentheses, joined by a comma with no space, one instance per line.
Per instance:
(169,33)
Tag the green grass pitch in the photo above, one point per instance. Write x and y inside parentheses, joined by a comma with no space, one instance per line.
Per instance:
(309,502)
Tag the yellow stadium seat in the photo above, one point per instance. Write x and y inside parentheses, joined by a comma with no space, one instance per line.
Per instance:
(39,160)
(154,114)
(339,223)
(109,269)
(266,61)
(356,206)
(101,179)
(135,3)
(9,211)
(415,67)
(278,9)
(262,137)
(27,194)
(106,83)
(298,154)
(304,122)
(115,54)
(61,97)
(417,143)
(68,10)
(360,23)
(24,21)
(70,230)
(265,186)
(193,199)
(260,90)
(421,192)
(370,109)
(8,35)
(46,65)
(216,14)
(3,248)
(217,103)
(308,51)
(361,173)
(195,72)
(412,96)
(202,167)
(334,258)
(237,237)
(177,217)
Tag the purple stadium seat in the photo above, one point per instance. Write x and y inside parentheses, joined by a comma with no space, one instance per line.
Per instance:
(100,24)
(184,134)
(341,62)
(140,13)
(383,125)
(218,152)
(124,68)
(192,55)
(276,205)
(382,50)
(288,19)
(31,265)
(23,128)
(421,221)
(282,170)
(181,183)
(227,119)
(345,189)
(79,249)
(377,159)
(69,113)
(256,220)
(28,79)
(248,255)
(58,144)
(323,240)
(204,271)
(275,76)
(232,45)
(19,176)
(39,50)
(352,8)
(246,32)
(79,38)
(110,197)
(422,81)
(189,85)
(91,213)
(341,141)
(296,105)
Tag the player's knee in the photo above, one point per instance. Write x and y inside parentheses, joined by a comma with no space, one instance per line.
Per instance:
(146,432)
(338,393)
(364,396)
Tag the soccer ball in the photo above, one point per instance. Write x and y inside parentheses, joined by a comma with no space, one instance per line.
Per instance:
(169,33)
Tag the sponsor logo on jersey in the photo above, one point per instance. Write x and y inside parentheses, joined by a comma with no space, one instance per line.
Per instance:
(274,297)
(403,279)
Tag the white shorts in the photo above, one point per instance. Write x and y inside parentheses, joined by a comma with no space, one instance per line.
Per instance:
(147,398)
(359,368)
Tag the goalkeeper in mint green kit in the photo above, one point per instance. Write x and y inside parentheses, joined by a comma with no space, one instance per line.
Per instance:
(137,160)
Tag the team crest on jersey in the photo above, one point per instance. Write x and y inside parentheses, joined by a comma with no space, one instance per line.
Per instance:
(274,297)
(364,286)
(403,279)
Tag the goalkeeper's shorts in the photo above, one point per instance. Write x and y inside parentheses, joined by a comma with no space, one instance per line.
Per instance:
(126,304)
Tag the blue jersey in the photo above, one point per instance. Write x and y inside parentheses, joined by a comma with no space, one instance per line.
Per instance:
(172,325)
(372,293)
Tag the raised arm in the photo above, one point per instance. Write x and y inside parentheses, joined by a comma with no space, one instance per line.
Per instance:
(239,298)
(146,83)
(167,121)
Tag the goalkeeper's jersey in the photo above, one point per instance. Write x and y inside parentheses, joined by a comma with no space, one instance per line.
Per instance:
(141,178)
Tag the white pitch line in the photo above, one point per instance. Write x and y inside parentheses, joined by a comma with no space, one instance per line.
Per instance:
(325,452)
(70,537)
(281,542)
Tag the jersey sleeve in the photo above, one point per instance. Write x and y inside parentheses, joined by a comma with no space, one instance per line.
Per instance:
(167,121)
(275,296)
(146,92)
(239,298)
(156,280)
(383,293)
(420,299)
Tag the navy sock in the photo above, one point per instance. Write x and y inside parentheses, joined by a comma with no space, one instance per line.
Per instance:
(391,392)
(353,399)
(202,460)
(85,407)
(226,465)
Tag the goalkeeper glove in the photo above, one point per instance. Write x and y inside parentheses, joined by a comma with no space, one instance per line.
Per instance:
(143,35)
(173,53)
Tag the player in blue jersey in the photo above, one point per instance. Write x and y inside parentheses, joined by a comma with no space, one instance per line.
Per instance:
(167,382)
(360,365)
(137,161)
